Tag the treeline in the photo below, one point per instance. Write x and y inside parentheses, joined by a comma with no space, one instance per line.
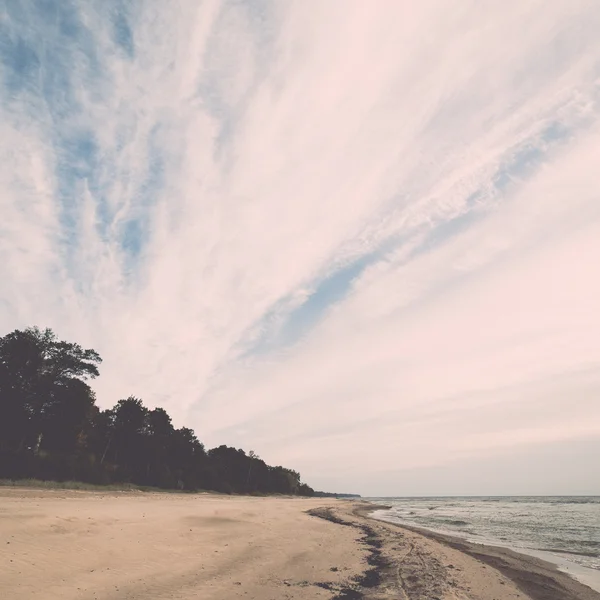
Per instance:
(51,429)
(334,495)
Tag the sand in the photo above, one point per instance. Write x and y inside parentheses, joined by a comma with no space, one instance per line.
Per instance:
(75,545)
(116,546)
(424,565)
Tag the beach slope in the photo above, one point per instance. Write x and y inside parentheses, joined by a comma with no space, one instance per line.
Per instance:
(117,546)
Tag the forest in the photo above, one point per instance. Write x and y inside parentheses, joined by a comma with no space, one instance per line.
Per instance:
(52,429)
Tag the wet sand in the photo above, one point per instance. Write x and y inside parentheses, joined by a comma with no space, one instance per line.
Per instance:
(472,570)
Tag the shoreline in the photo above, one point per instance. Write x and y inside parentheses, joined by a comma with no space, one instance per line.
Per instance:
(537,578)
(585,576)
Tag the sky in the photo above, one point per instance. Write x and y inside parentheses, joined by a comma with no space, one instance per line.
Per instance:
(359,238)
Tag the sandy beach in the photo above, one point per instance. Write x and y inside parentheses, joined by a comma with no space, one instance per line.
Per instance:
(117,546)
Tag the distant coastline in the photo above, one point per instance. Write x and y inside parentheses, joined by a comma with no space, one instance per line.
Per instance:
(335,495)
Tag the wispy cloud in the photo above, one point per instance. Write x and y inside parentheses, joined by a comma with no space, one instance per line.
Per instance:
(314,229)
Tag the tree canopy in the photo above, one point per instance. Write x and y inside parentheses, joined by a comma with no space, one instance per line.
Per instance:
(51,428)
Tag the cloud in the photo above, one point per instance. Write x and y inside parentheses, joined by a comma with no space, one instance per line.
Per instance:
(315,230)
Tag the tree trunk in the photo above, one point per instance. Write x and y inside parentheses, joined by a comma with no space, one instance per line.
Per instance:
(36,450)
(105,451)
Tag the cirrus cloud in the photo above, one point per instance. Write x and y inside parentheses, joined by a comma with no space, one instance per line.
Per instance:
(358,239)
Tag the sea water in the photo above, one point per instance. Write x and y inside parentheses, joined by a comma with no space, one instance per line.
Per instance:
(562,529)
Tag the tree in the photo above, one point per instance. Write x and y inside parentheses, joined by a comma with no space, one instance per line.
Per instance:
(66,417)
(305,490)
(232,465)
(284,481)
(127,437)
(36,371)
(51,428)
(159,431)
(187,459)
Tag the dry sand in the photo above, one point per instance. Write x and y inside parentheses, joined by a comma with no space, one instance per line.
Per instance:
(66,545)
(117,546)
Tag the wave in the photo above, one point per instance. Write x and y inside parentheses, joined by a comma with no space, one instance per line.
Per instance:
(573,552)
(456,522)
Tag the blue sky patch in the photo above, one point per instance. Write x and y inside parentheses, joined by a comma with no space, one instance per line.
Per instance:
(122,32)
(326,293)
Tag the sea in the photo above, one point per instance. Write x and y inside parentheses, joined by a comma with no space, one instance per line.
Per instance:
(564,530)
